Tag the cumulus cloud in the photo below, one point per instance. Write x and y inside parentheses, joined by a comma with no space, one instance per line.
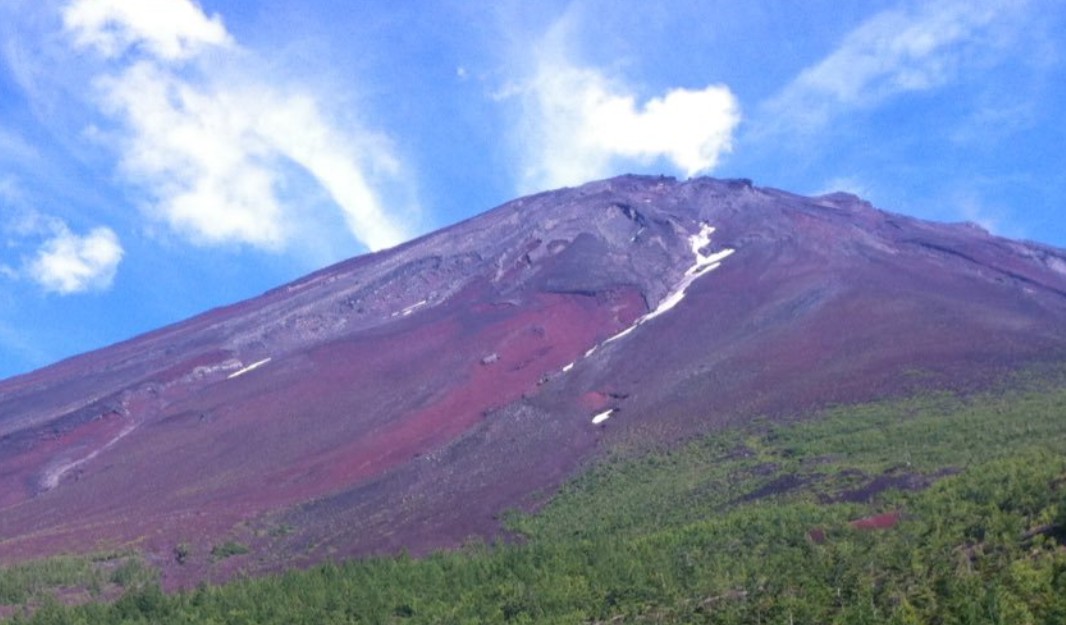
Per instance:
(42,248)
(579,124)
(68,263)
(895,51)
(214,152)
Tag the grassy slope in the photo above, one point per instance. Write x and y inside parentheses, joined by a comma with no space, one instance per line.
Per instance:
(720,531)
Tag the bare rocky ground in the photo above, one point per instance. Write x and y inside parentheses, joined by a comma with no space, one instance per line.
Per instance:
(403,400)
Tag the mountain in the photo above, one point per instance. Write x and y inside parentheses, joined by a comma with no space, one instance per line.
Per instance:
(406,399)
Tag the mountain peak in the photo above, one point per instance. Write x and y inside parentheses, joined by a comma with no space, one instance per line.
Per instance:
(487,361)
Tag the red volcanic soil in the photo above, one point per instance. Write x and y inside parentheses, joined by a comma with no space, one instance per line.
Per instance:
(55,455)
(403,400)
(595,401)
(497,359)
(884,521)
(305,425)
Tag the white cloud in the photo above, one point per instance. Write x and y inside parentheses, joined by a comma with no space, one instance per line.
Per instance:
(43,249)
(214,148)
(893,52)
(975,213)
(295,127)
(970,204)
(579,124)
(68,263)
(200,156)
(169,29)
(846,184)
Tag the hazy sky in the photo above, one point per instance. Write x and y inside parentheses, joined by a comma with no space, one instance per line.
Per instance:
(162,157)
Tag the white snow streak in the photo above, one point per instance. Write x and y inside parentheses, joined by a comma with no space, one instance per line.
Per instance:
(254,365)
(603,416)
(703,265)
(410,309)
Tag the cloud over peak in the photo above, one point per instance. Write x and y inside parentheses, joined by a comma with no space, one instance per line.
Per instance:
(580,124)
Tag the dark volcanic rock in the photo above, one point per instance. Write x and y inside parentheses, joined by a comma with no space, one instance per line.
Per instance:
(893,480)
(404,399)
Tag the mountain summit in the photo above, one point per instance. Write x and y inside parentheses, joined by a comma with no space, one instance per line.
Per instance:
(405,399)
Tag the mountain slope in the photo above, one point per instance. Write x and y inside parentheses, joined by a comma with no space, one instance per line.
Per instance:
(406,398)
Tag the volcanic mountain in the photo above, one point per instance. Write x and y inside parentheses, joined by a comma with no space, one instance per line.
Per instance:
(405,399)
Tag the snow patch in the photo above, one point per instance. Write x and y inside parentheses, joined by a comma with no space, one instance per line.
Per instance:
(603,416)
(410,309)
(205,370)
(623,333)
(568,367)
(251,367)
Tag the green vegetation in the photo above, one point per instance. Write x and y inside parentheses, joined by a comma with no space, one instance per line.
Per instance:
(748,526)
(35,582)
(228,549)
(21,583)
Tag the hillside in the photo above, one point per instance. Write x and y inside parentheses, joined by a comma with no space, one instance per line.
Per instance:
(937,508)
(406,400)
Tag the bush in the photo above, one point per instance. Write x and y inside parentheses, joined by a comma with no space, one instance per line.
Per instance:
(228,549)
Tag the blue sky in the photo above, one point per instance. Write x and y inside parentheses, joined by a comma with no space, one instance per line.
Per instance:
(162,157)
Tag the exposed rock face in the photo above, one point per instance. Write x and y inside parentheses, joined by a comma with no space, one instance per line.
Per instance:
(406,398)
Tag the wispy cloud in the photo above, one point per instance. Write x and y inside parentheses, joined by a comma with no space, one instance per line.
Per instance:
(846,184)
(579,123)
(68,263)
(213,152)
(972,203)
(14,340)
(916,48)
(14,148)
